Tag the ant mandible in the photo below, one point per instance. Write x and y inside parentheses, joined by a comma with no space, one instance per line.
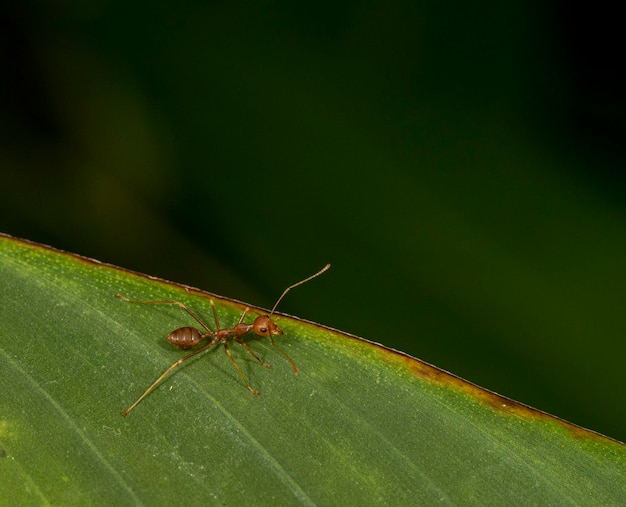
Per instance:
(188,337)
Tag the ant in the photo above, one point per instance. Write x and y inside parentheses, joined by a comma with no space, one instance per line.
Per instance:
(188,337)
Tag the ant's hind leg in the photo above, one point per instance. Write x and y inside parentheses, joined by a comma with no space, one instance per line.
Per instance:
(177,303)
(165,373)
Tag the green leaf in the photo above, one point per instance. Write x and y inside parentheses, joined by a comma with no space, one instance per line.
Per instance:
(360,424)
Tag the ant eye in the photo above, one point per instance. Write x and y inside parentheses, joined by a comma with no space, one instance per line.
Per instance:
(263,330)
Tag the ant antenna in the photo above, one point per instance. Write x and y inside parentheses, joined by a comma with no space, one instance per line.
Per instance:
(299,283)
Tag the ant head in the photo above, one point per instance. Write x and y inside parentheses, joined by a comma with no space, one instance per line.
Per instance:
(265,326)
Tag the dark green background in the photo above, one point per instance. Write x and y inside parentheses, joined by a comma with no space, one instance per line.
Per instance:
(460,167)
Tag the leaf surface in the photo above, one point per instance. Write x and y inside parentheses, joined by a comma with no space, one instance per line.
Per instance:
(360,425)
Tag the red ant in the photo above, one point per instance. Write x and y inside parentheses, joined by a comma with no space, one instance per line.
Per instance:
(188,337)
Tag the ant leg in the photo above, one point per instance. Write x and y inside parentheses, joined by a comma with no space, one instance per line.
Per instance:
(238,329)
(293,364)
(232,360)
(165,373)
(177,303)
(217,319)
(244,313)
(247,347)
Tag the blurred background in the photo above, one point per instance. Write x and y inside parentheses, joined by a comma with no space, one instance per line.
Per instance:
(460,166)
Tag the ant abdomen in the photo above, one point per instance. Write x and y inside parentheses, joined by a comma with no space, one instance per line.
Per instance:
(185,337)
